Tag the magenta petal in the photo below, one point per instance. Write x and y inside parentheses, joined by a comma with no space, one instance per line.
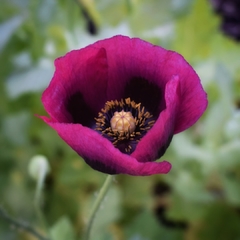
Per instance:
(130,58)
(80,77)
(156,141)
(101,155)
(193,97)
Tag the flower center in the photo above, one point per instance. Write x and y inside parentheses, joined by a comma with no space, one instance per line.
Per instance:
(124,123)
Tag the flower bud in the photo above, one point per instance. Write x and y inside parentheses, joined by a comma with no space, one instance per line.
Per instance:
(38,167)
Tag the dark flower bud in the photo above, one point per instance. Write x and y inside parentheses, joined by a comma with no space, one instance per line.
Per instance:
(229,10)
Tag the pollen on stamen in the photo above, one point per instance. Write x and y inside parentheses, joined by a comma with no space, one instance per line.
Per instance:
(124,123)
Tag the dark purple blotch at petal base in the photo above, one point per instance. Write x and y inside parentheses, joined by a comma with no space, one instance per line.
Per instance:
(148,94)
(114,69)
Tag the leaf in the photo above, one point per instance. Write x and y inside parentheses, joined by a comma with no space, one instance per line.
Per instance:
(14,127)
(194,30)
(146,227)
(62,230)
(232,128)
(110,12)
(32,80)
(221,109)
(8,28)
(220,223)
(108,213)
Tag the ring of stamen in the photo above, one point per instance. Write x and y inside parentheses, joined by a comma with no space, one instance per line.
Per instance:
(124,123)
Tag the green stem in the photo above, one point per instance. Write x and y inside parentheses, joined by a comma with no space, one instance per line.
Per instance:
(97,203)
(37,202)
(129,6)
(21,225)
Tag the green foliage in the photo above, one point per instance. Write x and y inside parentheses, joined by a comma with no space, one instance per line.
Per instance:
(62,230)
(224,224)
(145,227)
(108,214)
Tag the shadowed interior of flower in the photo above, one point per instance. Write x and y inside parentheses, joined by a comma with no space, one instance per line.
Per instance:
(143,102)
(124,123)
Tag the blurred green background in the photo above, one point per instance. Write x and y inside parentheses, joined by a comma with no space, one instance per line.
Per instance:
(198,199)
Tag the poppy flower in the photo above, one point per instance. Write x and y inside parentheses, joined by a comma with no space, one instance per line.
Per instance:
(119,101)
